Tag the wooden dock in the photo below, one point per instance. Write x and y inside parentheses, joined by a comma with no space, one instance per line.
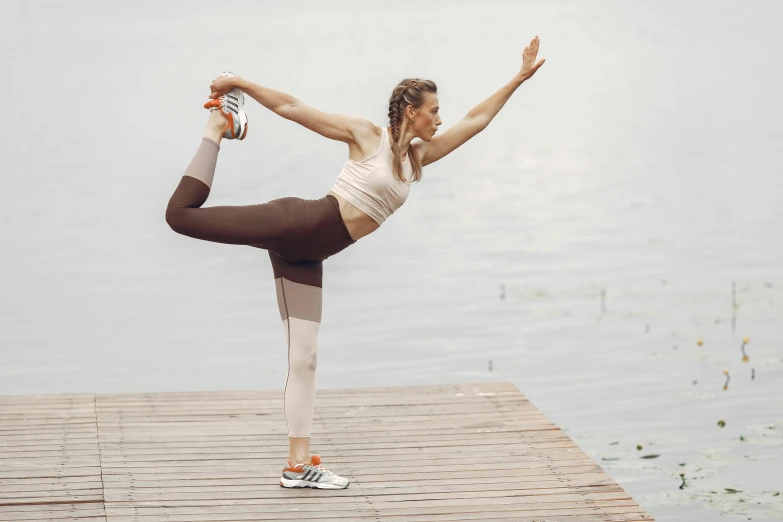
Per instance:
(425,453)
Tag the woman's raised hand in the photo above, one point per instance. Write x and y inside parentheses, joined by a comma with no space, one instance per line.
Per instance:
(221,85)
(529,64)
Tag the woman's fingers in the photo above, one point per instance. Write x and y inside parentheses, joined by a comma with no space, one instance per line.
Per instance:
(219,86)
(532,49)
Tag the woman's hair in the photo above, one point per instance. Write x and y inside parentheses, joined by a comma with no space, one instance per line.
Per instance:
(410,91)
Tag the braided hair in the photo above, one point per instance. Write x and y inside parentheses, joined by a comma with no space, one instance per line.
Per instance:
(410,91)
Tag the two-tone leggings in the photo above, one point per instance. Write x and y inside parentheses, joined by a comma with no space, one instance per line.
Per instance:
(299,235)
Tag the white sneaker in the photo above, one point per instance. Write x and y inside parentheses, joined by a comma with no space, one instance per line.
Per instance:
(311,475)
(232,105)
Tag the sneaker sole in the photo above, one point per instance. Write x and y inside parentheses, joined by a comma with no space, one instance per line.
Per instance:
(239,95)
(289,483)
(244,124)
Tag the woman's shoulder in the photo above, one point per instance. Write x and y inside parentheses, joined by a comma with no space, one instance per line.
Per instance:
(365,129)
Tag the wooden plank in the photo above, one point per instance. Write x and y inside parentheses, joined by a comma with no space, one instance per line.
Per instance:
(340,463)
(41,515)
(16,489)
(122,421)
(521,503)
(519,480)
(434,389)
(55,434)
(239,470)
(54,473)
(62,519)
(276,444)
(56,516)
(53,498)
(590,514)
(451,451)
(49,448)
(282,498)
(335,403)
(607,514)
(61,429)
(268,475)
(432,411)
(350,438)
(82,509)
(399,491)
(407,467)
(212,407)
(329,404)
(347,440)
(248,428)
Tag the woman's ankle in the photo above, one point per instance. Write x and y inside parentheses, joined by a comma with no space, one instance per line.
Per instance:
(216,126)
(298,450)
(296,461)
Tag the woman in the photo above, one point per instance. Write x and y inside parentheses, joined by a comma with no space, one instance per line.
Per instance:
(300,234)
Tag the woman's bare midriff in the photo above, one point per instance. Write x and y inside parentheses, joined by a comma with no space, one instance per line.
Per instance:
(357,222)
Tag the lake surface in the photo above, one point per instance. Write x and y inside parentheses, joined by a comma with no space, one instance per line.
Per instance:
(625,204)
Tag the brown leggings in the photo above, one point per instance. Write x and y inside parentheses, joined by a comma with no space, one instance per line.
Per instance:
(299,235)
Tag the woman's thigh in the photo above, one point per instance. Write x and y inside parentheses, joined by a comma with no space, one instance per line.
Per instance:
(316,230)
(299,288)
(266,225)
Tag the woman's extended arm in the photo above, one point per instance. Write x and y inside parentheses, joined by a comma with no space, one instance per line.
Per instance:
(273,100)
(479,117)
(334,126)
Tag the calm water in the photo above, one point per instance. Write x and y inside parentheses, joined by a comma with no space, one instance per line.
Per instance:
(643,161)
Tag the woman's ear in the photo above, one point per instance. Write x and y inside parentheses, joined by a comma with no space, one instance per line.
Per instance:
(410,112)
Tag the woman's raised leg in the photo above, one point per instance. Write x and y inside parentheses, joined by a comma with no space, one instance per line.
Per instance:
(264,225)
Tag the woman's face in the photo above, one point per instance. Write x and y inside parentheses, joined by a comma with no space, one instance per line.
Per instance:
(426,118)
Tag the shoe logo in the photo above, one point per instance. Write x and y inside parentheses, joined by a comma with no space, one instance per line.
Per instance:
(313,476)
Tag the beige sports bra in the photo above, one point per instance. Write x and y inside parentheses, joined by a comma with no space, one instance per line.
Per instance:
(370,185)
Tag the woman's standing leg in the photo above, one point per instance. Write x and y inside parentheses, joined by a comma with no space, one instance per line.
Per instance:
(299,298)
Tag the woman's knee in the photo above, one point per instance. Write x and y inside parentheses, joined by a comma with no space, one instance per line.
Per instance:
(190,193)
(303,356)
(174,216)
